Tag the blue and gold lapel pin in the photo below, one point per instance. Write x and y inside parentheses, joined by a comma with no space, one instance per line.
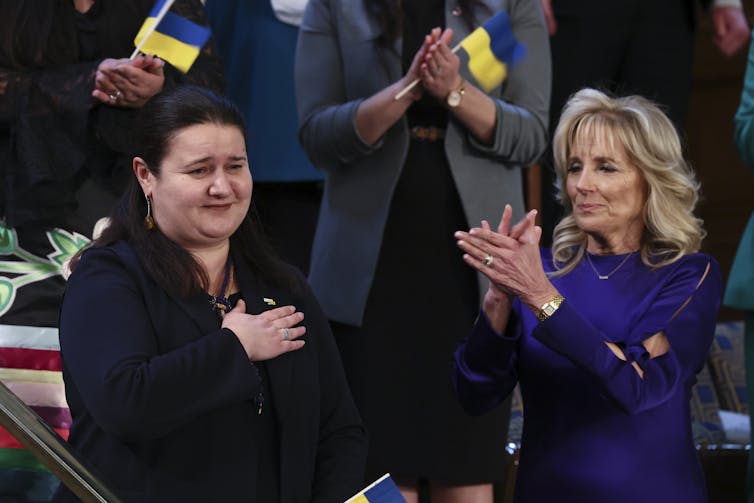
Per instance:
(269,301)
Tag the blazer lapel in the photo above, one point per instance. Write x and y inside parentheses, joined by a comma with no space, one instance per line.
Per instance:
(260,298)
(198,309)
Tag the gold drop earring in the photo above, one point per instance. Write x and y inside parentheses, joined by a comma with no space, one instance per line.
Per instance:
(148,220)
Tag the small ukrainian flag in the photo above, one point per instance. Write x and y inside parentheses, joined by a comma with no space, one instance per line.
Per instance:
(383,490)
(175,39)
(491,50)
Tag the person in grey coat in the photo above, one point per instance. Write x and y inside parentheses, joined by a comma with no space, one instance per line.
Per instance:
(401,176)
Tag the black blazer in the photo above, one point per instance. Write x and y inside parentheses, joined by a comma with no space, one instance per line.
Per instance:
(162,399)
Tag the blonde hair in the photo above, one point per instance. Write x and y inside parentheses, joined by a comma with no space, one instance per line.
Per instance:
(651,144)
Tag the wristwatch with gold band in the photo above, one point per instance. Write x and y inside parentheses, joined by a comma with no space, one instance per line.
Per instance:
(454,97)
(549,307)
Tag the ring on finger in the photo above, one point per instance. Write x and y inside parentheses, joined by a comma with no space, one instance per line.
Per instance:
(115,95)
(286,334)
(488,259)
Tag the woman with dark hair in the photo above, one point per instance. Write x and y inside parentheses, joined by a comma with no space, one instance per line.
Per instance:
(401,176)
(69,101)
(190,370)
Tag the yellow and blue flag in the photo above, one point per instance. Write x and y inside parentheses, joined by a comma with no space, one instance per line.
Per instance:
(492,49)
(383,490)
(175,39)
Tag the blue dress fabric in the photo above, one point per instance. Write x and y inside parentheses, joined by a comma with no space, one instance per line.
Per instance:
(594,430)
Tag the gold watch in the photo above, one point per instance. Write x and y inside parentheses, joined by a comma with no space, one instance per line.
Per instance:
(549,307)
(454,97)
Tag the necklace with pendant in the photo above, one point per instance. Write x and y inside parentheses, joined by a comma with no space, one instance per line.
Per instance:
(606,276)
(220,303)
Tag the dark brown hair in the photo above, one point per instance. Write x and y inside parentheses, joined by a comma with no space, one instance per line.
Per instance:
(169,264)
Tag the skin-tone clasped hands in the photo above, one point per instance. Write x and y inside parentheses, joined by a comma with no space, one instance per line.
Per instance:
(515,269)
(438,66)
(435,65)
(440,72)
(128,83)
(438,69)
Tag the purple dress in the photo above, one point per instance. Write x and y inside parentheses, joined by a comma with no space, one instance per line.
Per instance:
(594,431)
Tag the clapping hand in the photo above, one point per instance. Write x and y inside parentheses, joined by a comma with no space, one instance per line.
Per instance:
(409,81)
(509,257)
(440,70)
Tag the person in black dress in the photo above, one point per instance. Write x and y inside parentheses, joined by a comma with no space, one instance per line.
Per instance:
(401,176)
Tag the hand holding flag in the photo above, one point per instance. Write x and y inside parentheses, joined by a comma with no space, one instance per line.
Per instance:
(491,50)
(128,83)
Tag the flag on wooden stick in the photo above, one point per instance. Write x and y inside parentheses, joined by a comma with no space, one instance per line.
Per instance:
(171,37)
(491,51)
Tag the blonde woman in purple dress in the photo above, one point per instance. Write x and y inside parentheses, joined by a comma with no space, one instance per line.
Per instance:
(605,332)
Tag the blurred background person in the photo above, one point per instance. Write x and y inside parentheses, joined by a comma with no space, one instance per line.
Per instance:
(401,176)
(69,100)
(644,48)
(739,289)
(605,332)
(64,142)
(198,367)
(257,42)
